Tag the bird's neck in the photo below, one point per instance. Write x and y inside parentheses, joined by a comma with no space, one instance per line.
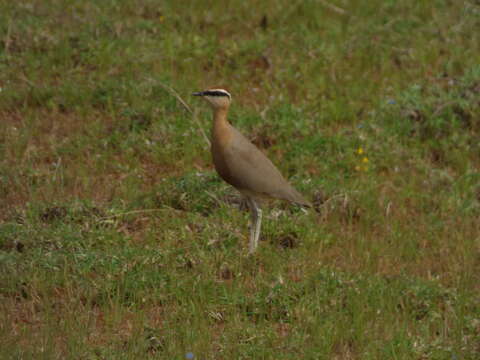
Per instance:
(221,128)
(220,115)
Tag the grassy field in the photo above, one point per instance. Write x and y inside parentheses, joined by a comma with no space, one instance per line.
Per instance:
(118,240)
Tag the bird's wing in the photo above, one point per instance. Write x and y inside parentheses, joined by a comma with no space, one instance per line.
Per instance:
(251,170)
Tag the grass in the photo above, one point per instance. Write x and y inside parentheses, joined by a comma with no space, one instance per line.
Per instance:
(118,241)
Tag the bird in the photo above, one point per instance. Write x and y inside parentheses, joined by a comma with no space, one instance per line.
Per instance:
(241,164)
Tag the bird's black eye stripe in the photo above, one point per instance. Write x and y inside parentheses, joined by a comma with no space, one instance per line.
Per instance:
(215,93)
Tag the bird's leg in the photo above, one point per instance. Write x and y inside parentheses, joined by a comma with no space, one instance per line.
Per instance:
(258,225)
(256,215)
(252,226)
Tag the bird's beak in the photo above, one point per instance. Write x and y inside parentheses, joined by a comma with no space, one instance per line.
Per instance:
(200,93)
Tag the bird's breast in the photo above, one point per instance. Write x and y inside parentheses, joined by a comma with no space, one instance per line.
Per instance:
(222,137)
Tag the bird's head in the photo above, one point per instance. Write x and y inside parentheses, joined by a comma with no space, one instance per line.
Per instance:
(217,98)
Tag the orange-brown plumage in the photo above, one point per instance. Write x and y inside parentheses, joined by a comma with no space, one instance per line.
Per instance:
(241,164)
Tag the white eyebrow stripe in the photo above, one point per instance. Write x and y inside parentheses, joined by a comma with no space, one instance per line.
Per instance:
(220,91)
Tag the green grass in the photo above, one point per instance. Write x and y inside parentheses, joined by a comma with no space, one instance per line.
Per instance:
(118,240)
